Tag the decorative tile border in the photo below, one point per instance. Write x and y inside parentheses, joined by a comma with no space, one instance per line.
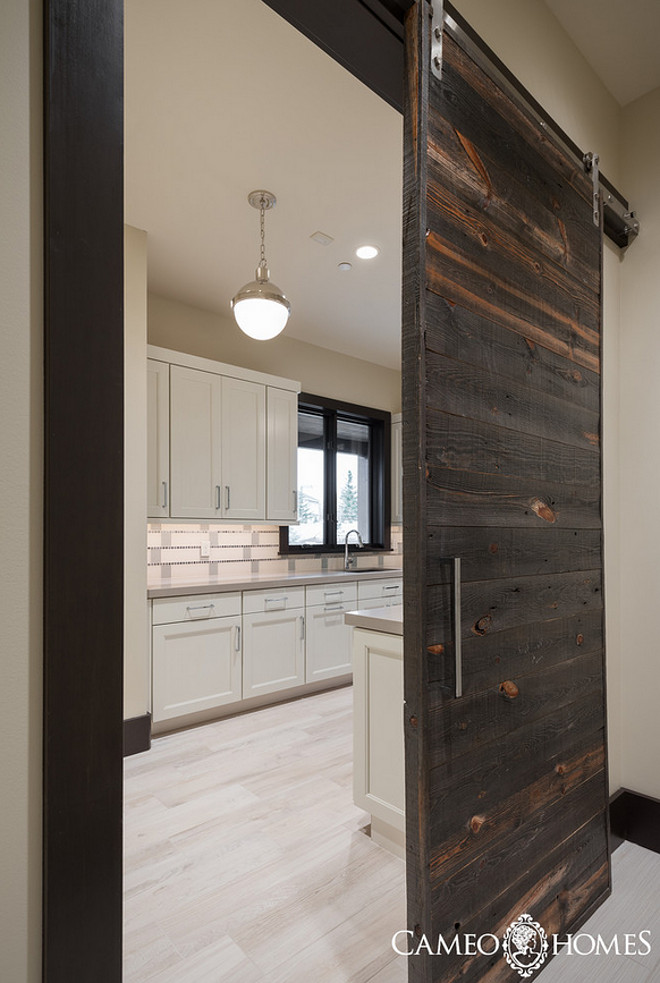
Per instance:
(174,553)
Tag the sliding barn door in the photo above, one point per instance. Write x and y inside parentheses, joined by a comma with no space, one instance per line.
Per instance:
(505,721)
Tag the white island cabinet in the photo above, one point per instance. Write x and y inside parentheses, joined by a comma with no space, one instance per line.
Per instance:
(378,742)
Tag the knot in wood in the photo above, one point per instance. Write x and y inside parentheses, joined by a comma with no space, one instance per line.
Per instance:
(476,823)
(436,649)
(493,548)
(509,690)
(579,639)
(482,625)
(413,721)
(560,769)
(543,510)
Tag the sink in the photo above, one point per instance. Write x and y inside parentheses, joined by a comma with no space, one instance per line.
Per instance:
(363,570)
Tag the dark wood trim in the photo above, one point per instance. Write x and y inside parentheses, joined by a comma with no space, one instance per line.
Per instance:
(635,817)
(83,495)
(365,36)
(137,734)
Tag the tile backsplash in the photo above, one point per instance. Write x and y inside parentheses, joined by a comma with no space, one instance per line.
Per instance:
(174,553)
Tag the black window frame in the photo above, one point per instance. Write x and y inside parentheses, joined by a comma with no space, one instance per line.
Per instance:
(379,422)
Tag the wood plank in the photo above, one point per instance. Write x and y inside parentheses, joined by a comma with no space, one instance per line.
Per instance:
(491,658)
(519,752)
(467,391)
(459,444)
(484,251)
(463,335)
(416,95)
(512,854)
(506,805)
(510,552)
(492,121)
(464,726)
(460,499)
(558,886)
(491,606)
(506,210)
(518,116)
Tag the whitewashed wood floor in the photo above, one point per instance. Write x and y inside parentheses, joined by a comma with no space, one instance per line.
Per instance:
(246,860)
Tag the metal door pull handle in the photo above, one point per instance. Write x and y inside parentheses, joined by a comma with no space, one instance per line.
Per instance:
(458,651)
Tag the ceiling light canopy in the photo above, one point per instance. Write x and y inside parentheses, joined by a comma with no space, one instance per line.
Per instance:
(260,308)
(366,252)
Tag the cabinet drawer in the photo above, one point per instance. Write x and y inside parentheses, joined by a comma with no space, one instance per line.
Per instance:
(325,594)
(384,589)
(278,599)
(195,607)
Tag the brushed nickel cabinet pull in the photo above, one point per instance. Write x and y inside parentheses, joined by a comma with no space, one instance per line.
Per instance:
(228,497)
(164,494)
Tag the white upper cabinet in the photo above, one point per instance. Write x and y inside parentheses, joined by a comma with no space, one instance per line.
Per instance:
(243,450)
(397,470)
(282,463)
(195,407)
(158,439)
(222,441)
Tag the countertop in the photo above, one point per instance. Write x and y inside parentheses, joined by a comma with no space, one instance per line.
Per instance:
(388,620)
(218,586)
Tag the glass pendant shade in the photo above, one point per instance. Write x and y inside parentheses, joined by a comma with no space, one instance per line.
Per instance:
(260,308)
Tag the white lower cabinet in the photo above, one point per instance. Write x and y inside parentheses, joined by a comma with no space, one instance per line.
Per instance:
(196,666)
(329,641)
(274,642)
(379,593)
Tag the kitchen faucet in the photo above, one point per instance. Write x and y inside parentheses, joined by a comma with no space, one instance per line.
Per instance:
(350,561)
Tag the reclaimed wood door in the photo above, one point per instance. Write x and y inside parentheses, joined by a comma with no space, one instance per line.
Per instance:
(505,732)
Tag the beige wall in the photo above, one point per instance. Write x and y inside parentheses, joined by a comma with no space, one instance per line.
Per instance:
(20,491)
(136,638)
(640,451)
(533,45)
(321,371)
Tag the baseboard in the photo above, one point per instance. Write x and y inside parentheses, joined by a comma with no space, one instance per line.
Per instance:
(137,734)
(636,818)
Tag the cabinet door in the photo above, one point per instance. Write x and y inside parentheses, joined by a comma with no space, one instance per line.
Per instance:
(158,439)
(274,648)
(329,643)
(243,449)
(397,471)
(195,666)
(195,400)
(282,455)
(378,776)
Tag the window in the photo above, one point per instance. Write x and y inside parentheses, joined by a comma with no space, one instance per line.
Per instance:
(343,476)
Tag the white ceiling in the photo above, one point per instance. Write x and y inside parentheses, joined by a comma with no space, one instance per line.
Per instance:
(619,40)
(223,97)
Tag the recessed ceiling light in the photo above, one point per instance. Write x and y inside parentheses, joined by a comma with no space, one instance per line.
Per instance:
(344,266)
(366,252)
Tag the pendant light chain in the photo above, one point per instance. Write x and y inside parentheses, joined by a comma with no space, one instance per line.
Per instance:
(263,236)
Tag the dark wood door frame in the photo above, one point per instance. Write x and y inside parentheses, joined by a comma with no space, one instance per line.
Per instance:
(83,561)
(84,490)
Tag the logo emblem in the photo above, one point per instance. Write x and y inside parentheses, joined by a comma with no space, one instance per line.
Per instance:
(525,945)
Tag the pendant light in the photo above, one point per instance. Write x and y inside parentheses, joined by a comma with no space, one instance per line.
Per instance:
(260,308)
